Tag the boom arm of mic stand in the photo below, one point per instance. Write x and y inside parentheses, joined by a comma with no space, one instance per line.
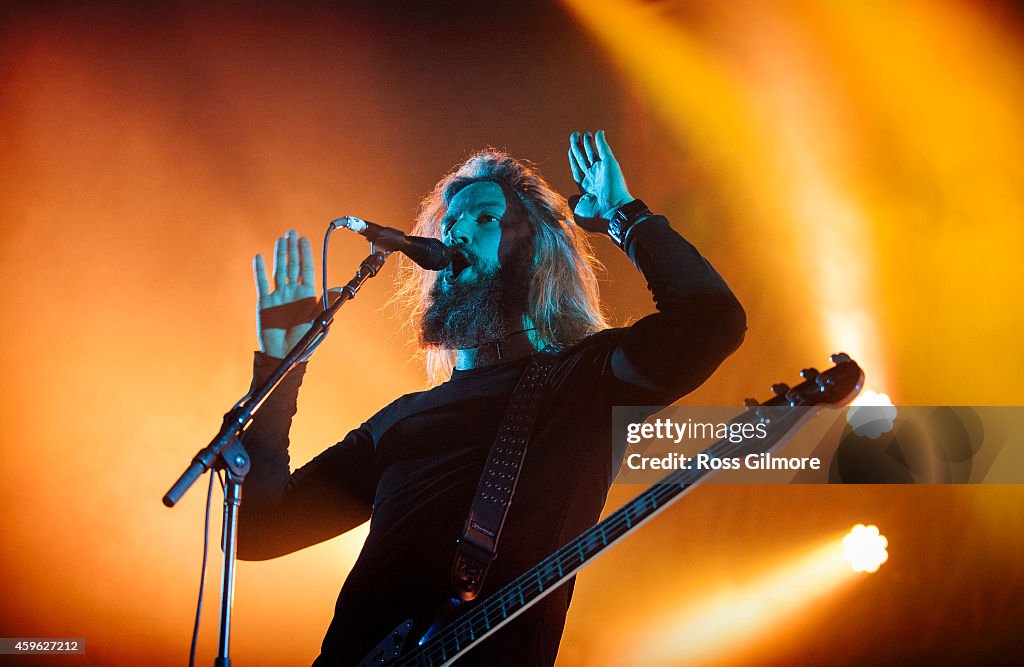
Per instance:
(226,450)
(238,417)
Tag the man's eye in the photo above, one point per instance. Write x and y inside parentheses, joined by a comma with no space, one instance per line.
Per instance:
(487,217)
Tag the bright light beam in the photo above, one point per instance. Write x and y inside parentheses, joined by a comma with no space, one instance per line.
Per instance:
(757,107)
(727,620)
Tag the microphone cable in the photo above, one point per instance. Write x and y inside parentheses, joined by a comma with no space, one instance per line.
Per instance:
(202,576)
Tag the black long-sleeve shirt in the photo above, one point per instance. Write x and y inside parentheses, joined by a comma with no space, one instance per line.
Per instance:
(412,468)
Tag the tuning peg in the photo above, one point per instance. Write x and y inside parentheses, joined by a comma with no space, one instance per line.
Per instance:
(840,358)
(780,388)
(809,373)
(750,403)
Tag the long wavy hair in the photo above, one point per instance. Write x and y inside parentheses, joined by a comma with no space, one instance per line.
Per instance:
(563,304)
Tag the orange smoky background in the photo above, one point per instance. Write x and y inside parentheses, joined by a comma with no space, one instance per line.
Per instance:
(853,169)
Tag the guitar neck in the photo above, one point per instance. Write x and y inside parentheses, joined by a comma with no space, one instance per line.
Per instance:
(547,575)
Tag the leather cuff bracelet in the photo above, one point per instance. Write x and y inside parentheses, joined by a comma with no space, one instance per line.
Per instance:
(623,220)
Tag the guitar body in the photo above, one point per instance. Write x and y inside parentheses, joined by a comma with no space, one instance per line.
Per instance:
(408,634)
(452,635)
(389,649)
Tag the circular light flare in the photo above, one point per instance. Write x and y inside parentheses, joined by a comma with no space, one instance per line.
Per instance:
(875,398)
(864,548)
(871,414)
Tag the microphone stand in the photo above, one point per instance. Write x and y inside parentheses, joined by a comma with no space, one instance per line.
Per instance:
(225,452)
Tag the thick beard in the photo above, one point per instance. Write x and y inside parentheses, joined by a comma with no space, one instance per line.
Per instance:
(487,309)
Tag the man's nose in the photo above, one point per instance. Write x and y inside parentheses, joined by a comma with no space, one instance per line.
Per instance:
(461,231)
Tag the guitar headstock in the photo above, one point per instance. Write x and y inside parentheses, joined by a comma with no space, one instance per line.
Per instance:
(836,386)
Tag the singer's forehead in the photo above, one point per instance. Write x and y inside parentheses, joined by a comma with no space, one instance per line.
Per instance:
(476,196)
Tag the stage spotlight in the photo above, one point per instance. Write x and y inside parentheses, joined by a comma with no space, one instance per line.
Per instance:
(871,414)
(865,548)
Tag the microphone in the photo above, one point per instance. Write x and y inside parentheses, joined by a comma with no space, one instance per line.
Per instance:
(431,254)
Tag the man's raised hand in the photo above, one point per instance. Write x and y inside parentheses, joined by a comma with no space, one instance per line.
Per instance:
(599,179)
(283,315)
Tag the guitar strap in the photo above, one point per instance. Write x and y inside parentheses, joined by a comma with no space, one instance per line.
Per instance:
(478,546)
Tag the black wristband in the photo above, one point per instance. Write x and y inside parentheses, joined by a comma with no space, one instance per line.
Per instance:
(623,220)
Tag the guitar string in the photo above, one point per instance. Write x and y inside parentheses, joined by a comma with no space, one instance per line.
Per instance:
(670,486)
(664,490)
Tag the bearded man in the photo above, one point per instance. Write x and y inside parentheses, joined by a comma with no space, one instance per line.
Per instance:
(520,288)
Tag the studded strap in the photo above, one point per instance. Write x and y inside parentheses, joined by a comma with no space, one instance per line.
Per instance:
(478,545)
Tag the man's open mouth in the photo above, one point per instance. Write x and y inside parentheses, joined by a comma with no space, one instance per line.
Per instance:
(459,264)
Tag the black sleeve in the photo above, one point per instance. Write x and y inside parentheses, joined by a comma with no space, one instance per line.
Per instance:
(282,512)
(698,324)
